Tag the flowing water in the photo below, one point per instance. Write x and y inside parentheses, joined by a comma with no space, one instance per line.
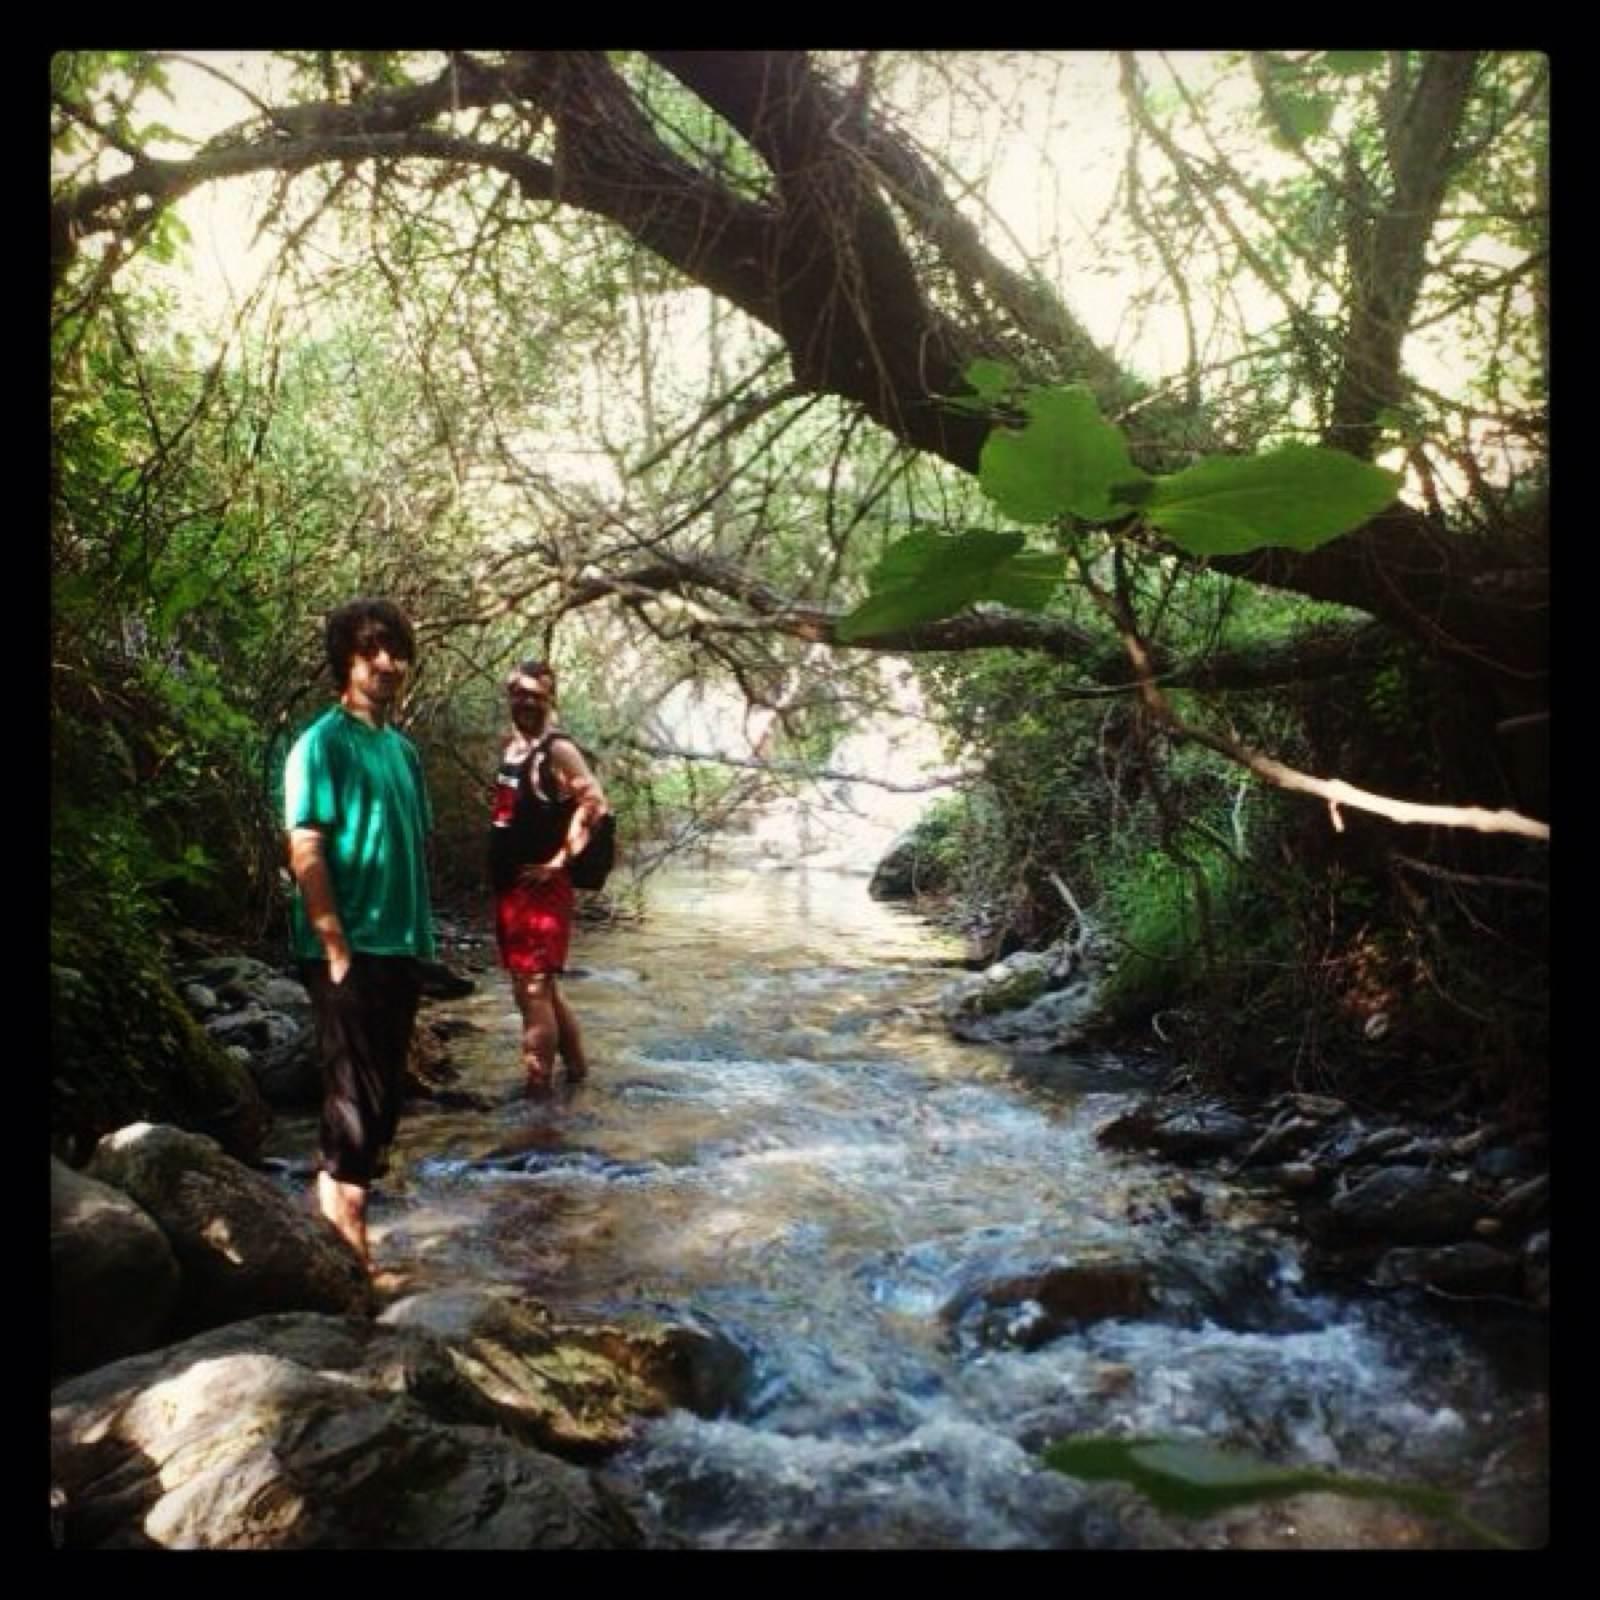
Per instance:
(780,1141)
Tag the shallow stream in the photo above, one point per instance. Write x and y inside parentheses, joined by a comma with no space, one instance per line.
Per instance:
(780,1140)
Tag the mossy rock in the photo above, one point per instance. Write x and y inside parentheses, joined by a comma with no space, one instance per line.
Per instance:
(124,1049)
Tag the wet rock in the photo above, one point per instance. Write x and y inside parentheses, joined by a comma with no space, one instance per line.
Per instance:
(1505,1163)
(1409,1205)
(239,980)
(114,1280)
(576,1388)
(1288,1135)
(1339,1148)
(1319,1107)
(1199,1134)
(910,867)
(1030,1308)
(1536,1269)
(1527,1202)
(199,999)
(308,1432)
(1471,1268)
(1380,1146)
(244,1246)
(1133,1130)
(1006,986)
(253,1028)
(1113,1378)
(1229,1281)
(1297,1177)
(278,993)
(1052,1022)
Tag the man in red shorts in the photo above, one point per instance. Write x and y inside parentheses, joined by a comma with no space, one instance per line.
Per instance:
(546,801)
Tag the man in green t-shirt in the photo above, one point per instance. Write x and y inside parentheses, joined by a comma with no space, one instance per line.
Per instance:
(357,813)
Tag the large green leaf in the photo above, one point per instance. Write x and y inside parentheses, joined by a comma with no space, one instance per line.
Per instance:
(925,576)
(1026,581)
(1348,62)
(991,379)
(1301,116)
(1063,462)
(1300,496)
(1191,1478)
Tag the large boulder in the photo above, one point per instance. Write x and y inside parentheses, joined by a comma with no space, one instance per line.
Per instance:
(114,1280)
(1072,1294)
(245,1247)
(1405,1205)
(1197,1132)
(308,1432)
(1470,1268)
(1036,999)
(575,1388)
(914,864)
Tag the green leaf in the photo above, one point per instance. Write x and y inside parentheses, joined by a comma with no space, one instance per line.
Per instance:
(1026,581)
(1064,461)
(1349,62)
(1299,496)
(925,576)
(1302,116)
(1194,1479)
(187,593)
(990,378)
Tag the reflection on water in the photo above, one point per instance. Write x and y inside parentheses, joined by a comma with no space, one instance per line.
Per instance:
(778,1135)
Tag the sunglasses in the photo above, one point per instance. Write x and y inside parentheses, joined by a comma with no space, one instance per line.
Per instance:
(368,648)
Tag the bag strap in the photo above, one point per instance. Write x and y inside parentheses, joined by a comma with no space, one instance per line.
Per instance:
(541,753)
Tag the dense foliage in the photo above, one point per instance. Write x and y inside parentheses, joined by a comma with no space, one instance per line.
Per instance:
(672,366)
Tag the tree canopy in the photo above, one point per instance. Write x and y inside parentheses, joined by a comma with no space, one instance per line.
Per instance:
(463,377)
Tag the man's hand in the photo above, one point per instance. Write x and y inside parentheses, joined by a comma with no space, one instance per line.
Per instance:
(310,867)
(542,871)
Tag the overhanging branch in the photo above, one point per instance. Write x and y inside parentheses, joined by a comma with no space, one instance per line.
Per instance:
(800,769)
(1335,791)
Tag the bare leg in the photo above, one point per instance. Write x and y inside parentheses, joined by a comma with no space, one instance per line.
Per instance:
(345,1206)
(541,1032)
(571,1037)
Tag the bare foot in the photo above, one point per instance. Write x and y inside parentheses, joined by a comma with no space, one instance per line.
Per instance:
(537,1081)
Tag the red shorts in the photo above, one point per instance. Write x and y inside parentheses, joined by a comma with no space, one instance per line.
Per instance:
(533,924)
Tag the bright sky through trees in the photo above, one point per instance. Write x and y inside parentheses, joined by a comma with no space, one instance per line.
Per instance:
(1054,133)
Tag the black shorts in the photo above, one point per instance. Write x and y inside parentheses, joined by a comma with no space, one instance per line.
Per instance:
(363,1040)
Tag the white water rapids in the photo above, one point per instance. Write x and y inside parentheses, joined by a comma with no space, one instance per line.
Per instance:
(780,1140)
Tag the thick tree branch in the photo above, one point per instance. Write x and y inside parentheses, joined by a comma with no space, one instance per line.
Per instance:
(1388,253)
(1335,791)
(1311,656)
(825,268)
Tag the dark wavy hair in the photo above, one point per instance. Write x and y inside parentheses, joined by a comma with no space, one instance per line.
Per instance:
(362,625)
(532,669)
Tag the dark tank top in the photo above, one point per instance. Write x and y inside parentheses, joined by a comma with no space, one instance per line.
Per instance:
(526,826)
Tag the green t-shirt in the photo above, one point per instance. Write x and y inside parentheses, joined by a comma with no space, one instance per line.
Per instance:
(363,788)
